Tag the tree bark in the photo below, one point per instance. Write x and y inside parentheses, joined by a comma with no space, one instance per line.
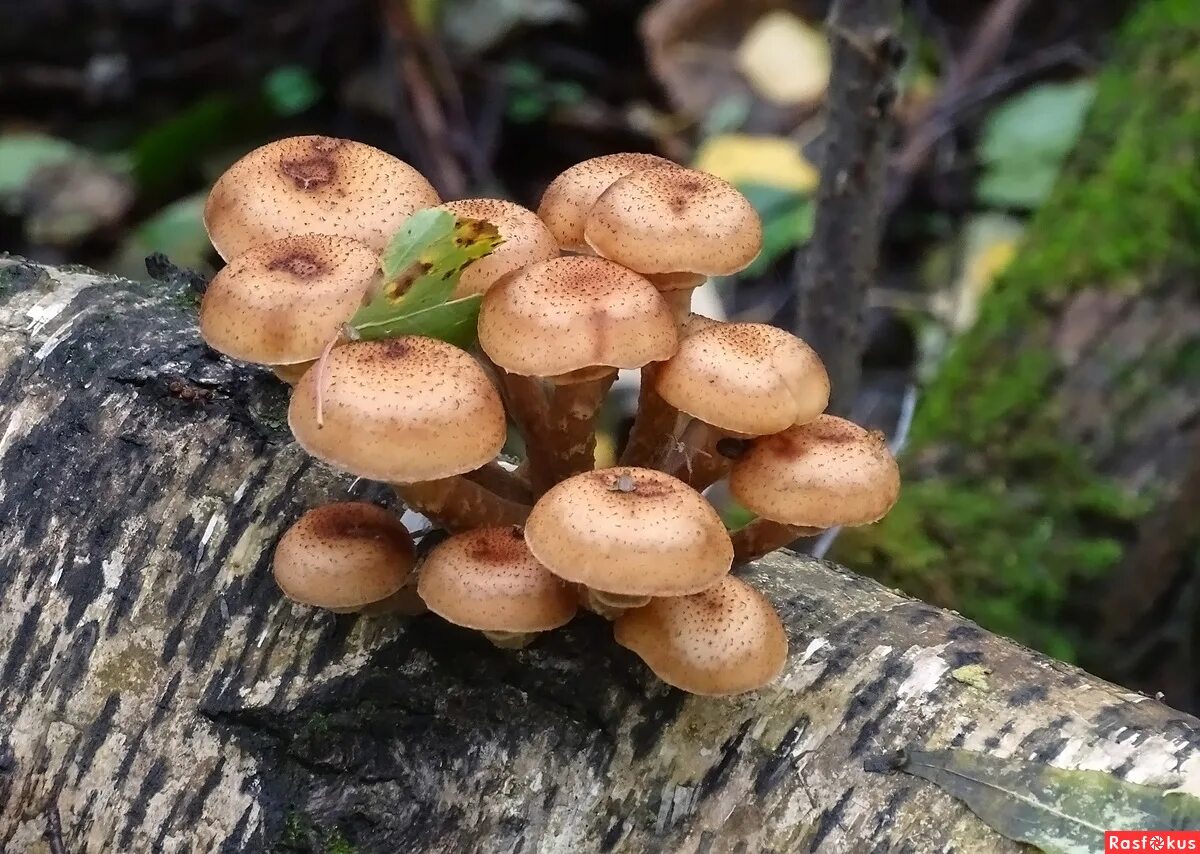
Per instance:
(1053,472)
(157,693)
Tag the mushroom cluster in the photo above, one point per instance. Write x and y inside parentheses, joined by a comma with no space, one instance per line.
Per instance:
(598,280)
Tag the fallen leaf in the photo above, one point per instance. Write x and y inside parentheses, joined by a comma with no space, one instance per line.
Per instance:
(773,161)
(975,675)
(22,154)
(784,59)
(989,245)
(1058,811)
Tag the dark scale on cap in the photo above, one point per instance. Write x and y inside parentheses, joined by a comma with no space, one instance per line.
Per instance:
(310,173)
(349,521)
(302,265)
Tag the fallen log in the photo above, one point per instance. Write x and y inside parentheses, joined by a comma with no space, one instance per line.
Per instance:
(158,694)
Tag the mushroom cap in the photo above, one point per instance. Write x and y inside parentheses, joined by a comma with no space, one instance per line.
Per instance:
(575,312)
(566,202)
(725,640)
(675,221)
(487,579)
(281,302)
(630,531)
(401,410)
(313,185)
(821,474)
(526,241)
(344,556)
(748,378)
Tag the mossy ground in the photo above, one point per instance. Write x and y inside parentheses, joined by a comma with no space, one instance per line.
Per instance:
(1000,517)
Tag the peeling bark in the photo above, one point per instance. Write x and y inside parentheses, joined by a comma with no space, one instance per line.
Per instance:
(158,694)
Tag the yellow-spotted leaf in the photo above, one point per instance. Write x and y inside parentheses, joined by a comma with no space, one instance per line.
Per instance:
(784,59)
(772,161)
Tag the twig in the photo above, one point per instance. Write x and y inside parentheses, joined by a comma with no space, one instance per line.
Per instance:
(839,266)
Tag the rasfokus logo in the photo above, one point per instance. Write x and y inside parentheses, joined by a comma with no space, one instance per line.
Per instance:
(1152,840)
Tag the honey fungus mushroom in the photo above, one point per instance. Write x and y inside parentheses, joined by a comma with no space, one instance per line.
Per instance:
(279,303)
(566,202)
(313,185)
(487,579)
(627,534)
(572,321)
(526,241)
(810,477)
(725,640)
(739,380)
(412,411)
(344,557)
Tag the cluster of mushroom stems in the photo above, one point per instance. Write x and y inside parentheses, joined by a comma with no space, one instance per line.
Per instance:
(598,280)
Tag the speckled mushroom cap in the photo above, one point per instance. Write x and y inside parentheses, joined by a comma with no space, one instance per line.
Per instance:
(487,579)
(566,202)
(344,556)
(403,410)
(281,302)
(313,185)
(630,531)
(821,474)
(675,221)
(572,313)
(747,378)
(725,640)
(526,241)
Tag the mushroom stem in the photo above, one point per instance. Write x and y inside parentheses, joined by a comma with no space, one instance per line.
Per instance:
(570,438)
(497,479)
(694,458)
(652,424)
(762,536)
(527,403)
(681,304)
(291,374)
(511,640)
(458,504)
(610,605)
(404,602)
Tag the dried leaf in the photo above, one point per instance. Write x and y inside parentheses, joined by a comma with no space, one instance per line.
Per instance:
(784,59)
(773,161)
(1058,811)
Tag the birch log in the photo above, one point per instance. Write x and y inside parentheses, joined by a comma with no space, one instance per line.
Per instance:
(157,694)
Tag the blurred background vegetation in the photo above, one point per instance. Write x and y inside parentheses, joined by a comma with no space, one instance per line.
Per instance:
(1033,335)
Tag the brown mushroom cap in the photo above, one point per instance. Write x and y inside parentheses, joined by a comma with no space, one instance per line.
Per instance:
(403,410)
(675,221)
(487,579)
(313,185)
(821,474)
(281,302)
(566,202)
(630,531)
(725,640)
(748,378)
(526,241)
(576,312)
(343,556)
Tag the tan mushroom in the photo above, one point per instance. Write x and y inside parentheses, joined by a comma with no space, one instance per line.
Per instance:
(488,580)
(572,321)
(566,203)
(627,534)
(313,185)
(724,640)
(414,412)
(345,557)
(279,303)
(810,477)
(737,380)
(526,241)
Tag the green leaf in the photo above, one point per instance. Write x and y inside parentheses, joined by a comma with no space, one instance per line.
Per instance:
(1058,811)
(418,235)
(164,156)
(453,321)
(176,230)
(22,154)
(1026,140)
(787,218)
(291,89)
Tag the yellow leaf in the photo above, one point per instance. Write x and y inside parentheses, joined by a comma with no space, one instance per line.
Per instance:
(784,59)
(606,450)
(744,159)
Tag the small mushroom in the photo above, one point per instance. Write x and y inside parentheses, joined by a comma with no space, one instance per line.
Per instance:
(345,557)
(412,411)
(572,321)
(488,580)
(627,534)
(313,185)
(280,303)
(810,477)
(725,640)
(526,241)
(570,196)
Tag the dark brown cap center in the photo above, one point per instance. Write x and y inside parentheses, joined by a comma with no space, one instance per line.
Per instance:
(312,172)
(298,264)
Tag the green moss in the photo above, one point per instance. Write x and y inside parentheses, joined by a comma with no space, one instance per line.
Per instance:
(1000,517)
(302,833)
